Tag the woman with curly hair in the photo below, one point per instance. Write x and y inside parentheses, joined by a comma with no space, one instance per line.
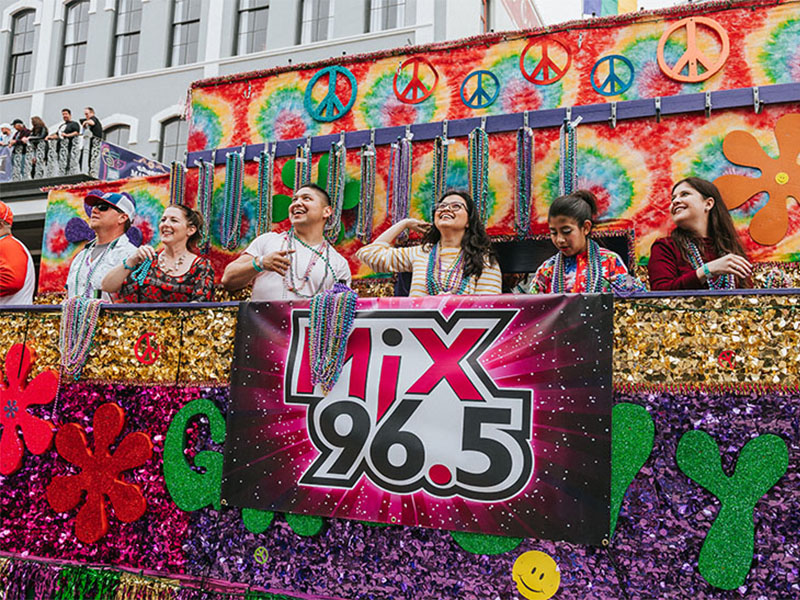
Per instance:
(455,256)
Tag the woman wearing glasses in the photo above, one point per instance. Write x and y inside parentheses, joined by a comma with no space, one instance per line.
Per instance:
(455,256)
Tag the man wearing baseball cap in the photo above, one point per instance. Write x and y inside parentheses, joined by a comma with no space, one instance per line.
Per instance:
(111,216)
(17,277)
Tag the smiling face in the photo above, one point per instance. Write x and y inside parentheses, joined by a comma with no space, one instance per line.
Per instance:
(689,209)
(66,115)
(537,575)
(173,228)
(451,213)
(568,235)
(308,207)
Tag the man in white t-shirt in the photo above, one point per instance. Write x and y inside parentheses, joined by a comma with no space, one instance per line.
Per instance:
(294,265)
(112,215)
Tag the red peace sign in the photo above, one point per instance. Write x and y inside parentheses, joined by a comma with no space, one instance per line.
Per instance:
(149,354)
(415,91)
(541,72)
(726,358)
(693,56)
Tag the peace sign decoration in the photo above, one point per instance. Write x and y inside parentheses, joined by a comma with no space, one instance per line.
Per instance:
(480,98)
(613,83)
(331,107)
(546,71)
(415,90)
(146,348)
(693,56)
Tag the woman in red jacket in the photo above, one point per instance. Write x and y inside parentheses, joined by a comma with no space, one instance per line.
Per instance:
(703,251)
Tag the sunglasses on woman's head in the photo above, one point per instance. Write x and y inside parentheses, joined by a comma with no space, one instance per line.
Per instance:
(454,206)
(104,206)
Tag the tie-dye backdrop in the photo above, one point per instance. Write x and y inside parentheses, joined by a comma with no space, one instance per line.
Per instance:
(630,167)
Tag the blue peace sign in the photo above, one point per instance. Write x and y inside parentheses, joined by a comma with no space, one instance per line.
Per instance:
(330,108)
(612,84)
(480,98)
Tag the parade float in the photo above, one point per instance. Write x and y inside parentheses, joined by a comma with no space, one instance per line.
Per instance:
(587,446)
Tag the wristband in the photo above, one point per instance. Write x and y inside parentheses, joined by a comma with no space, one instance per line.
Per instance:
(706,272)
(256,266)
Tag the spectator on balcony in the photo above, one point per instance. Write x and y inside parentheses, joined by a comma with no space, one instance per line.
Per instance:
(293,265)
(455,256)
(68,128)
(173,274)
(5,134)
(703,251)
(19,133)
(111,216)
(38,130)
(17,276)
(92,123)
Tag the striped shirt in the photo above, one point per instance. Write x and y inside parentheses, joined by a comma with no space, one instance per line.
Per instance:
(382,257)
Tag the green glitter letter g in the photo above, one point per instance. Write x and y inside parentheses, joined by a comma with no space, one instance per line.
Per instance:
(189,489)
(728,548)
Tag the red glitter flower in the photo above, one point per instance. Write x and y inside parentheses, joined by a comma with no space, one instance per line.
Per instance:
(100,473)
(14,401)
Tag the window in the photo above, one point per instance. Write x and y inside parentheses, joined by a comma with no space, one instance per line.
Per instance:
(252,30)
(126,36)
(185,31)
(317,23)
(76,32)
(21,59)
(173,140)
(118,135)
(386,14)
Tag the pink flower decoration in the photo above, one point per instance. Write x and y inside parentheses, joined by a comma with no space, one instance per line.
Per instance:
(100,473)
(14,401)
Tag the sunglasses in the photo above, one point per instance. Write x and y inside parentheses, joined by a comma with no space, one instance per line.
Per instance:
(454,206)
(104,206)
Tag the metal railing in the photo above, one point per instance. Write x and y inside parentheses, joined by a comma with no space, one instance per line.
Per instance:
(44,159)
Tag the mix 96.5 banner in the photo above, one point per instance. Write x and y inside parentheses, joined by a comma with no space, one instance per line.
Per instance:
(475,414)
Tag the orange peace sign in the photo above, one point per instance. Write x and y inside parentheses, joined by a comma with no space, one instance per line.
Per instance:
(546,71)
(693,55)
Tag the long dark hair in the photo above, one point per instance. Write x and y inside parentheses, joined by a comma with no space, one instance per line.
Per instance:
(720,225)
(192,218)
(475,244)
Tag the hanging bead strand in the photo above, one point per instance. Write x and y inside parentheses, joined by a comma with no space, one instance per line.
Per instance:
(568,157)
(337,166)
(205,192)
(232,211)
(525,150)
(266,170)
(302,165)
(332,314)
(478,167)
(440,144)
(78,325)
(366,200)
(400,170)
(177,183)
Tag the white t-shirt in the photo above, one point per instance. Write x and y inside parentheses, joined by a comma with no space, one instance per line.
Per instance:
(83,263)
(270,285)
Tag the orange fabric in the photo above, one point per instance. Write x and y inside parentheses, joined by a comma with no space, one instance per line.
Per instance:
(13,265)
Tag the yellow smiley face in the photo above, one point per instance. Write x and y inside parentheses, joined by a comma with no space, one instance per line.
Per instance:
(537,575)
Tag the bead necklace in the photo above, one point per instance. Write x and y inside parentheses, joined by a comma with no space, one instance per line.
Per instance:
(721,282)
(205,191)
(331,317)
(337,164)
(367,196)
(453,281)
(522,206)
(177,182)
(92,264)
(594,270)
(400,180)
(78,325)
(139,274)
(440,144)
(266,169)
(568,157)
(302,165)
(478,170)
(294,282)
(176,266)
(232,210)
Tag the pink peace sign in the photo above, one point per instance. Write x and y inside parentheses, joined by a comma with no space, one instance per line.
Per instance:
(693,56)
(546,71)
(415,90)
(146,348)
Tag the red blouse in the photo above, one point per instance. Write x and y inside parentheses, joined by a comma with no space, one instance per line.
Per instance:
(668,270)
(196,285)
